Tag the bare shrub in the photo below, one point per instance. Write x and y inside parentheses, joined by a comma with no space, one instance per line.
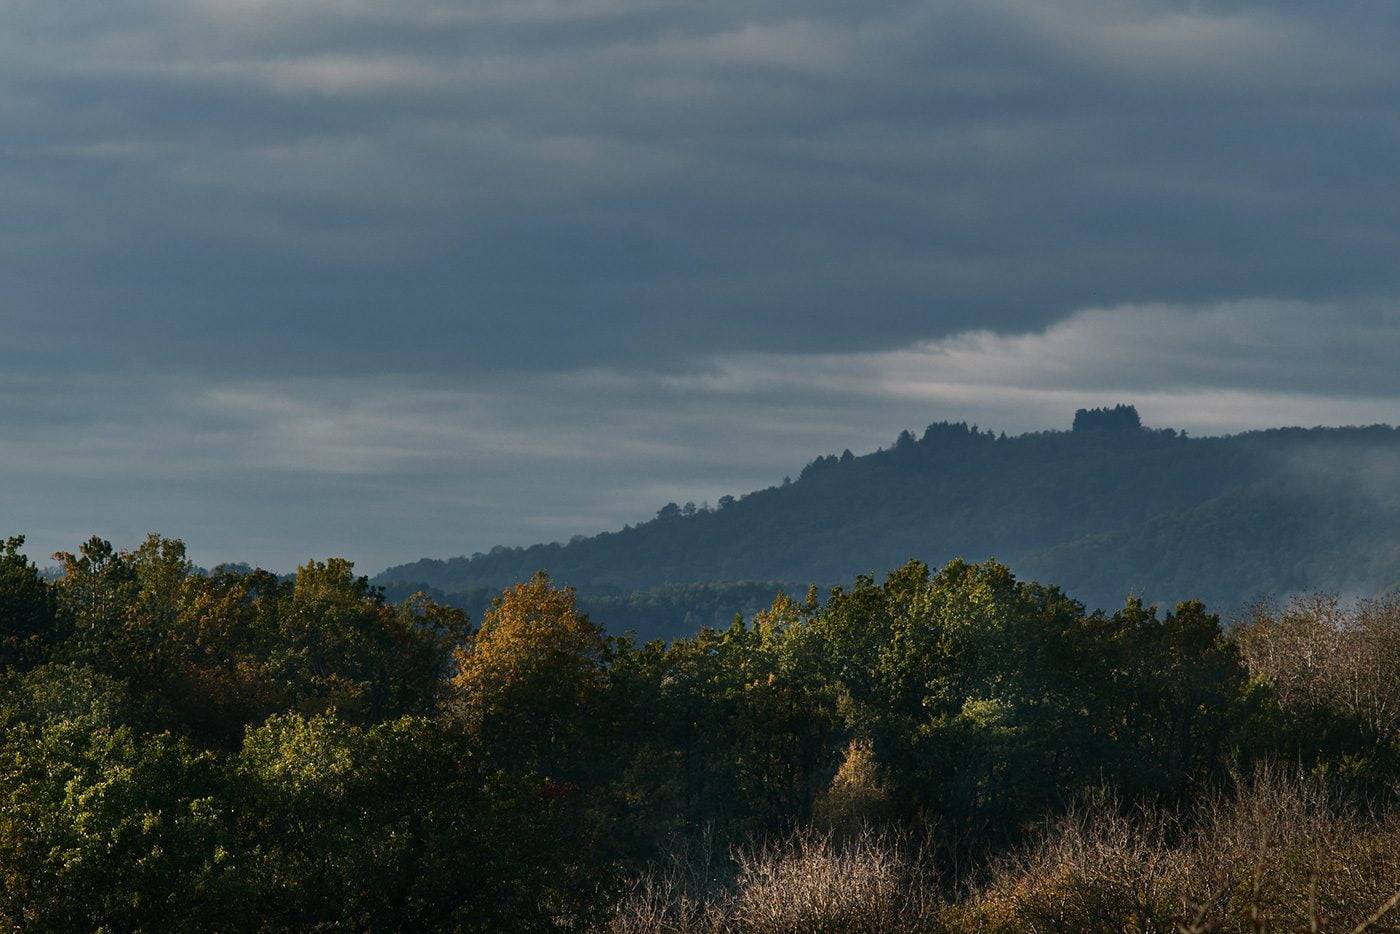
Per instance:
(1273,852)
(661,902)
(685,893)
(1294,650)
(1371,662)
(870,882)
(1280,851)
(1270,852)
(1097,868)
(1320,653)
(810,882)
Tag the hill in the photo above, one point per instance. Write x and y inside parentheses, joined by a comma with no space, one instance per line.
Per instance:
(1108,507)
(669,611)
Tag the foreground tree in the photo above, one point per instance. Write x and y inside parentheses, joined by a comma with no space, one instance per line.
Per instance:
(216,653)
(531,683)
(399,825)
(104,826)
(28,609)
(196,751)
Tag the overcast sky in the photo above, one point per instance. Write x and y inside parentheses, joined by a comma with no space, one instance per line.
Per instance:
(293,278)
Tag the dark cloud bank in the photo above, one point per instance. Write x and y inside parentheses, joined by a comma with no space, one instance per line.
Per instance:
(398,279)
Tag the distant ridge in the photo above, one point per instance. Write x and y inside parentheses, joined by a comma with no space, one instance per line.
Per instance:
(1105,509)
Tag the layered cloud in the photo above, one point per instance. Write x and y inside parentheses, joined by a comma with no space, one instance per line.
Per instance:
(292,276)
(387,467)
(338,186)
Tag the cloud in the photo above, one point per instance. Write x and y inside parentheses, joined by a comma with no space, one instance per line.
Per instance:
(1223,367)
(296,276)
(236,186)
(396,466)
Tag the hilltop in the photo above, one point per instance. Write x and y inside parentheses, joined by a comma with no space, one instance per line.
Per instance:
(1106,508)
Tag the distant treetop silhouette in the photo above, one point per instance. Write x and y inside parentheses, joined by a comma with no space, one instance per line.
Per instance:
(1120,418)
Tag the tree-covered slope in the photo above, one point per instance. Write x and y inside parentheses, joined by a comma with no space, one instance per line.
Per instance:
(668,611)
(1106,508)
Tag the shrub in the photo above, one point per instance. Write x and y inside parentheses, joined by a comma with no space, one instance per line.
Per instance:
(1274,851)
(810,882)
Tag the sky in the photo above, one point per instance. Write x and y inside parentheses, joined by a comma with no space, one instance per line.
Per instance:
(298,278)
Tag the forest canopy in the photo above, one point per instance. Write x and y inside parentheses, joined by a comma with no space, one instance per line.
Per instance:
(223,750)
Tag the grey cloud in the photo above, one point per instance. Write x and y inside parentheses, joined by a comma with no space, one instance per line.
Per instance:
(652,180)
(290,277)
(392,467)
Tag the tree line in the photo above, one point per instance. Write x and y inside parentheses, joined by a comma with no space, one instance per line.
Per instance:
(235,750)
(1105,509)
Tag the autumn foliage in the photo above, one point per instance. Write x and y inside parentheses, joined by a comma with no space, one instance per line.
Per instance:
(955,749)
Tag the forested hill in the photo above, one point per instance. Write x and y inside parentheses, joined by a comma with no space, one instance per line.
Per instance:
(1107,508)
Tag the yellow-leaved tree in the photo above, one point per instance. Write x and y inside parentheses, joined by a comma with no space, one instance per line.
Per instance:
(533,678)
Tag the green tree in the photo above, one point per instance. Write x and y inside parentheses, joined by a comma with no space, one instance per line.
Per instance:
(28,609)
(218,652)
(1172,695)
(399,825)
(750,721)
(983,682)
(103,826)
